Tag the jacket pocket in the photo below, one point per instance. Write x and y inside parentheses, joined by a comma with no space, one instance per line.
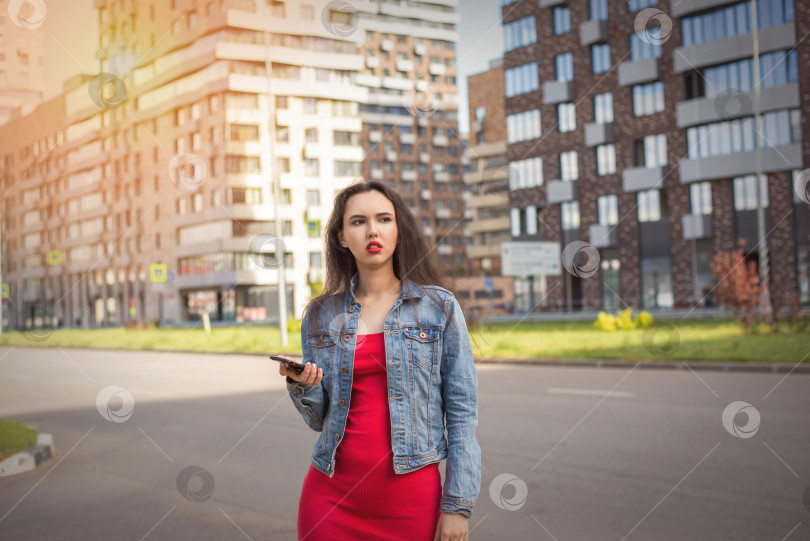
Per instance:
(323,351)
(422,344)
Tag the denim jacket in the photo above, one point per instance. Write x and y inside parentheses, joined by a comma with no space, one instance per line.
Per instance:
(430,371)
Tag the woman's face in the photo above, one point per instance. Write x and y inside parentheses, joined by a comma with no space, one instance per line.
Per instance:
(370,229)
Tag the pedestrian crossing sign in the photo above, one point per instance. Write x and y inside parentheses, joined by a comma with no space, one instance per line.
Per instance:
(6,291)
(158,273)
(54,257)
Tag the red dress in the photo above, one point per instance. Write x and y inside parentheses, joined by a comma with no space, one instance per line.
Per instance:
(365,499)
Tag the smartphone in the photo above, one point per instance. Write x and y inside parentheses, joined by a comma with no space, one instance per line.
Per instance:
(298,367)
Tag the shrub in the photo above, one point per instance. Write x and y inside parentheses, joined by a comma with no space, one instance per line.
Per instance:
(644,319)
(605,322)
(293,326)
(624,320)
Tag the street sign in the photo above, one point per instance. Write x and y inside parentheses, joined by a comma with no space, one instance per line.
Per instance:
(530,259)
(158,273)
(488,283)
(6,291)
(54,257)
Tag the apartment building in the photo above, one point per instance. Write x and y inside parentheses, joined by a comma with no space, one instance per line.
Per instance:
(22,47)
(632,126)
(145,192)
(410,119)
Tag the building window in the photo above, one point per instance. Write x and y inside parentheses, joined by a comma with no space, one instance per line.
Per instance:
(598,10)
(313,198)
(734,20)
(648,99)
(611,299)
(745,192)
(607,207)
(569,166)
(566,117)
(780,128)
(522,79)
(650,207)
(600,57)
(516,219)
(700,196)
(635,5)
(311,135)
(564,64)
(312,167)
(776,69)
(656,283)
(526,173)
(650,151)
(603,108)
(641,49)
(523,126)
(569,215)
(310,106)
(605,159)
(519,33)
(562,20)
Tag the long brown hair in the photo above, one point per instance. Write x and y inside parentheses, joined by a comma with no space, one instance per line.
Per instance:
(413,258)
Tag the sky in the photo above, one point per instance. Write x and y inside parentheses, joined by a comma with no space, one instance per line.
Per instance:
(71,40)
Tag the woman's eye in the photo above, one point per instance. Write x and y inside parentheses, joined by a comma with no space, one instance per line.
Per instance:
(386,219)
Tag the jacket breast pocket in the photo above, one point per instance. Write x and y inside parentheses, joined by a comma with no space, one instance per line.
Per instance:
(323,350)
(422,344)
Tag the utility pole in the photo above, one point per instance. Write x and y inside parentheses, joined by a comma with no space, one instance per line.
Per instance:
(275,181)
(766,310)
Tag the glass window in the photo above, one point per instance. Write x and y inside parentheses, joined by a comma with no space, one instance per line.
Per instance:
(603,108)
(650,208)
(565,66)
(521,79)
(700,194)
(566,117)
(600,58)
(745,192)
(598,10)
(734,20)
(648,99)
(641,49)
(569,165)
(635,5)
(523,126)
(526,173)
(608,209)
(656,283)
(519,33)
(650,151)
(569,215)
(562,19)
(605,159)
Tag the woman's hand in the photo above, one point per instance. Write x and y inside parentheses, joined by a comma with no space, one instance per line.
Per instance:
(311,375)
(452,527)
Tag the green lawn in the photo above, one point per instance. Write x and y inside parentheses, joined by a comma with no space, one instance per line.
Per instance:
(719,340)
(15,437)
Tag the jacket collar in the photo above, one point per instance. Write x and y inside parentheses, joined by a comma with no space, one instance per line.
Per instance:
(409,289)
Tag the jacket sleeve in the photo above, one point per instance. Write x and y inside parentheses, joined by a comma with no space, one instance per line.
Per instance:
(460,397)
(311,401)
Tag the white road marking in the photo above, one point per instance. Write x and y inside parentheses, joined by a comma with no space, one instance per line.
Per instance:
(591,392)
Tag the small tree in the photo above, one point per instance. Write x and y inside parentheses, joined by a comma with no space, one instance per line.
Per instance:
(738,286)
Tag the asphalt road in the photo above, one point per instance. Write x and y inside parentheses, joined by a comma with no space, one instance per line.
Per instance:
(568,453)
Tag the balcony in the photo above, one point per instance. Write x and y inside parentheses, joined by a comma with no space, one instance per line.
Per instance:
(407,138)
(425,194)
(784,158)
(705,110)
(437,69)
(404,65)
(442,212)
(603,236)
(598,133)
(636,179)
(444,249)
(408,175)
(440,140)
(679,8)
(591,32)
(560,191)
(424,157)
(375,136)
(387,45)
(390,156)
(732,48)
(697,226)
(442,176)
(551,3)
(640,71)
(420,49)
(372,62)
(557,92)
(377,174)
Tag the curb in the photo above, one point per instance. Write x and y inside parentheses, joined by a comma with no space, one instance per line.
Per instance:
(717,366)
(27,460)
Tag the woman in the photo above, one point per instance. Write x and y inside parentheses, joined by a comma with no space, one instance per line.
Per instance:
(387,357)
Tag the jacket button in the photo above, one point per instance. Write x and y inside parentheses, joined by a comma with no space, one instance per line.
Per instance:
(320,340)
(347,337)
(422,334)
(337,437)
(341,402)
(351,309)
(343,369)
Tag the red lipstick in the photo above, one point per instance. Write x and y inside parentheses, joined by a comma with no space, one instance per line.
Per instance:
(373,247)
